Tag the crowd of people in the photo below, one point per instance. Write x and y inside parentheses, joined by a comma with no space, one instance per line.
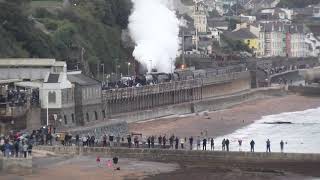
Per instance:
(164,142)
(15,147)
(20,145)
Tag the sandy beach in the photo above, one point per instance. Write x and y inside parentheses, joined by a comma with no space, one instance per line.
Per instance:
(226,121)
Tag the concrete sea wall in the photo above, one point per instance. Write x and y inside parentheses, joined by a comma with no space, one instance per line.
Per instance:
(184,155)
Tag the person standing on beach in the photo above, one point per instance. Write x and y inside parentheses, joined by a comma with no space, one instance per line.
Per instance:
(281,145)
(212,144)
(227,144)
(268,146)
(204,144)
(252,143)
(223,144)
(191,142)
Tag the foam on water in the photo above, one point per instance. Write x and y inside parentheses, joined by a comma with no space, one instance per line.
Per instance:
(302,136)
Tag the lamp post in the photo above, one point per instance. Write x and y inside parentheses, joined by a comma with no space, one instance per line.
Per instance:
(150,65)
(129,68)
(48,109)
(102,72)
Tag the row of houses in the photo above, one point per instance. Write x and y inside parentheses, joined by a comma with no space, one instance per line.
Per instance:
(270,33)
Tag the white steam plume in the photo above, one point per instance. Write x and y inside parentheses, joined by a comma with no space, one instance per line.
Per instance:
(154,27)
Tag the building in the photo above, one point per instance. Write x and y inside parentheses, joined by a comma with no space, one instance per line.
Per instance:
(281,39)
(274,15)
(65,99)
(200,16)
(88,103)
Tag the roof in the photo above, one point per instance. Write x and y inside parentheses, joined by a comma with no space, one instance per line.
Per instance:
(241,34)
(30,62)
(82,79)
(213,23)
(282,27)
(53,78)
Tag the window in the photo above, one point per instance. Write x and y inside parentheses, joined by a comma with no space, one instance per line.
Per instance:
(72,117)
(52,97)
(65,119)
(87,116)
(96,115)
(104,113)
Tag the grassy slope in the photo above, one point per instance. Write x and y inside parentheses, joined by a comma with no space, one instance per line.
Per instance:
(77,27)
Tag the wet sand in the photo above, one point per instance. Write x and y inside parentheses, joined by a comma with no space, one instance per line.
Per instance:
(226,121)
(57,167)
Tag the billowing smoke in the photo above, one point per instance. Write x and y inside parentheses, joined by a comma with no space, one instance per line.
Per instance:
(154,27)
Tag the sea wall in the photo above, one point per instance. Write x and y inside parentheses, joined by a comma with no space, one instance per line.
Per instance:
(209,104)
(16,165)
(184,155)
(305,90)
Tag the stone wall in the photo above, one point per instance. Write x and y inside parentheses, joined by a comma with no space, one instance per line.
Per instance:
(19,166)
(116,128)
(185,155)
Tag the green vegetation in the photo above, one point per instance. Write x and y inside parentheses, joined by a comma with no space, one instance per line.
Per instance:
(51,29)
(231,45)
(297,3)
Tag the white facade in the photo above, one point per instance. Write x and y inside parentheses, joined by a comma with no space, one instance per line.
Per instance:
(51,93)
(313,45)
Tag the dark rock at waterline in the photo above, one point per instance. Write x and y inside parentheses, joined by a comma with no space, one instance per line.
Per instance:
(278,122)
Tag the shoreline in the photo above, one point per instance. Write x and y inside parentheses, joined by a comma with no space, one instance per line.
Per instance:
(226,121)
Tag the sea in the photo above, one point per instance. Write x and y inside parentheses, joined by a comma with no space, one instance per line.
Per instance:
(300,132)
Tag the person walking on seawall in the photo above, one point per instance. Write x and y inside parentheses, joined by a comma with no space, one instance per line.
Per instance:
(227,144)
(177,142)
(281,145)
(223,144)
(212,144)
(268,146)
(252,143)
(149,142)
(164,141)
(198,143)
(191,142)
(152,141)
(204,144)
(240,144)
(129,141)
(160,140)
(182,143)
